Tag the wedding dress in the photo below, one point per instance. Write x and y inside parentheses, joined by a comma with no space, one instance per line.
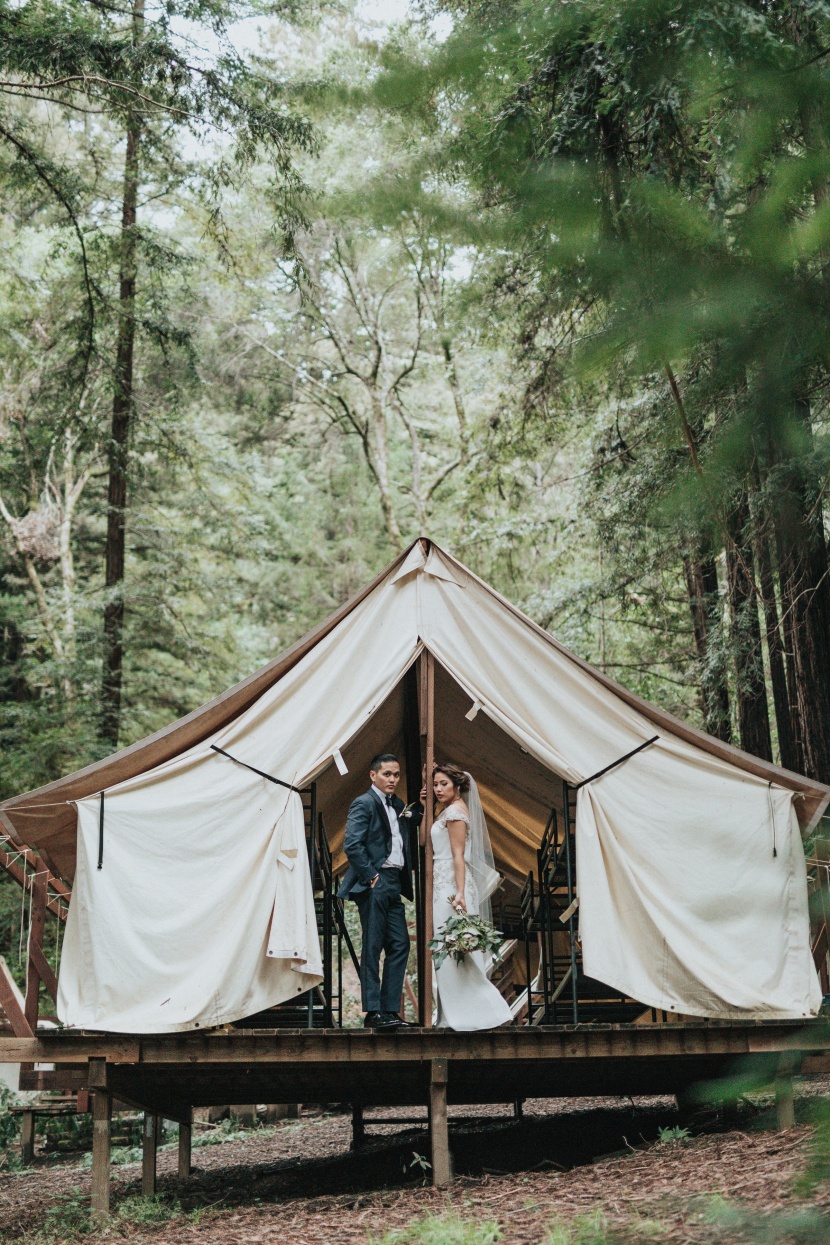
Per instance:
(467,1000)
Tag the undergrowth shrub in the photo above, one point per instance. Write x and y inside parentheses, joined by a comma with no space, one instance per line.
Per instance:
(70,1218)
(449,1229)
(9,1131)
(589,1229)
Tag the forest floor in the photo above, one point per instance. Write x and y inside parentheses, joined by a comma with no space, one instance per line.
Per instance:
(585,1171)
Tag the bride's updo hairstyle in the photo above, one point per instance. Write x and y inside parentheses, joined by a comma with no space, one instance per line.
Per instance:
(456,776)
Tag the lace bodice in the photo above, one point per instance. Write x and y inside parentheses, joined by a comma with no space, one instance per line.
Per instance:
(441,835)
(443,868)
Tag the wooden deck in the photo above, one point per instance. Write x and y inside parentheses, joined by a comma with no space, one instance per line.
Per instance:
(168,1075)
(171,1073)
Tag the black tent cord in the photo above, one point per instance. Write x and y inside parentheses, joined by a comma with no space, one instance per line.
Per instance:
(254,770)
(614,764)
(101,832)
(280,783)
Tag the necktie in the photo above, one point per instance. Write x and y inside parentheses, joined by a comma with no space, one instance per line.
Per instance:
(389,800)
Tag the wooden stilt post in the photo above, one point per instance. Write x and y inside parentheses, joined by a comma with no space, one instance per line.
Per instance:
(358,1127)
(101,1130)
(438,1130)
(185,1147)
(784,1103)
(149,1153)
(427,705)
(27,1137)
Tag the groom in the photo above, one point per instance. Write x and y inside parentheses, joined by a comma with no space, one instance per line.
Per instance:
(378,850)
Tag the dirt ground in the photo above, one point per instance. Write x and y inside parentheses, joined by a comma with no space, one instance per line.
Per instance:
(563,1160)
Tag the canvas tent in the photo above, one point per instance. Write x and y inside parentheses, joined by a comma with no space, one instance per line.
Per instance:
(690,868)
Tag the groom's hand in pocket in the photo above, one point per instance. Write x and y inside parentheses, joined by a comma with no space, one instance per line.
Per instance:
(374,881)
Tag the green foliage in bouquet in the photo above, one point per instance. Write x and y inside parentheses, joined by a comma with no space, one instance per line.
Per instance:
(462,934)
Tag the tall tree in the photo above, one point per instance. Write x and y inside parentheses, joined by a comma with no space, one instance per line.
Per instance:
(650,229)
(122,412)
(137,72)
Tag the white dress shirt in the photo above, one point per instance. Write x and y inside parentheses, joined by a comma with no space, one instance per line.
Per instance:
(396,859)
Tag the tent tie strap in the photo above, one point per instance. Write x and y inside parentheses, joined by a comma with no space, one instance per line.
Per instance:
(618,761)
(101,831)
(279,782)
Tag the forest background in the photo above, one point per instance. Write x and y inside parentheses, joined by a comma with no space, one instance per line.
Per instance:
(283,286)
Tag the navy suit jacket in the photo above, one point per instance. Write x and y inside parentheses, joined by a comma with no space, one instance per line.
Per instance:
(368,843)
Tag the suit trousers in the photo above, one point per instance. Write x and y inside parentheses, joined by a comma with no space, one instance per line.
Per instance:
(383,921)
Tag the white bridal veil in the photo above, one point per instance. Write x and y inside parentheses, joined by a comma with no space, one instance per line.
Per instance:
(482,864)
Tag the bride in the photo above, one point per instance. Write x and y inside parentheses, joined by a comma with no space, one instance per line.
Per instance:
(463,878)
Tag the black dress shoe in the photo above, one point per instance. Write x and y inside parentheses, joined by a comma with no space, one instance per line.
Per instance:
(381,1022)
(399,1021)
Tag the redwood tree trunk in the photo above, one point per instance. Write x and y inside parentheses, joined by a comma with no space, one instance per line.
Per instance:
(763,539)
(704,603)
(122,410)
(786,580)
(805,592)
(750,683)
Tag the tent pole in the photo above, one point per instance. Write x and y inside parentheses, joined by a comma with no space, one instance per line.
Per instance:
(312,860)
(569,865)
(427,704)
(414,781)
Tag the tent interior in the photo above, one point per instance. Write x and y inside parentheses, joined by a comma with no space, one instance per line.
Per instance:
(517,794)
(517,791)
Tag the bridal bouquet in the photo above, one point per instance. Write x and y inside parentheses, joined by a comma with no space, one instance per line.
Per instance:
(462,934)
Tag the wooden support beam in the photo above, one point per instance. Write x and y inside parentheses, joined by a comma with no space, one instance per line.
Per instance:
(427,706)
(784,1103)
(27,1137)
(292,1047)
(438,1129)
(788,1064)
(15,1014)
(101,1137)
(45,971)
(185,1149)
(58,904)
(37,925)
(149,1153)
(97,1073)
